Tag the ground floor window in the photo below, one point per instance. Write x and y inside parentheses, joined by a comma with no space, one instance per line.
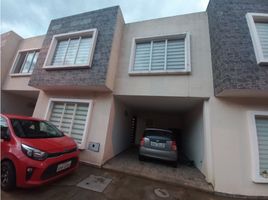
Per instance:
(259,137)
(71,116)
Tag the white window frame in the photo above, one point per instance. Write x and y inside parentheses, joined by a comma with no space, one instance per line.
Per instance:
(51,51)
(253,137)
(186,70)
(11,72)
(90,107)
(252,18)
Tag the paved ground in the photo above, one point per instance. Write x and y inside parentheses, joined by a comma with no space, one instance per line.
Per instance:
(122,187)
(183,175)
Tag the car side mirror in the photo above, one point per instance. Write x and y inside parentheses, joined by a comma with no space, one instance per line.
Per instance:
(5,133)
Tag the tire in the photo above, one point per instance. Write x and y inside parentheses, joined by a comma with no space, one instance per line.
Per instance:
(141,158)
(8,176)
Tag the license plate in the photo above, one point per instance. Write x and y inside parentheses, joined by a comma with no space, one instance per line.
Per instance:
(159,145)
(64,166)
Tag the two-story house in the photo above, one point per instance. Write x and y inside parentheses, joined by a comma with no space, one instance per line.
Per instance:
(103,81)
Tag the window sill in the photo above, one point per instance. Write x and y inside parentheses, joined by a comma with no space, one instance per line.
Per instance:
(155,73)
(263,62)
(260,179)
(55,67)
(20,74)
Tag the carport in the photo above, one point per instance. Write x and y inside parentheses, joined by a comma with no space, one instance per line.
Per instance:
(19,102)
(183,115)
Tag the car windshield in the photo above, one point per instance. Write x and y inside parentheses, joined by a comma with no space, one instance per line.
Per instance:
(35,129)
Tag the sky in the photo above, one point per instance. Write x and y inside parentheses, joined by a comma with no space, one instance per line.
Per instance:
(32,17)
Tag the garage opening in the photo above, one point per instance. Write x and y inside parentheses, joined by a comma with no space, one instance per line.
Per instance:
(19,102)
(183,116)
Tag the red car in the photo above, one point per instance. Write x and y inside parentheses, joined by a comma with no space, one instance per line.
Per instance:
(34,152)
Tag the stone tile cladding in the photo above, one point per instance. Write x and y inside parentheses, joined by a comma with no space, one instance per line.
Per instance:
(233,58)
(105,21)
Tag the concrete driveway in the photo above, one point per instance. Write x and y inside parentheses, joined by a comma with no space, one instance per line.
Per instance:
(184,175)
(122,186)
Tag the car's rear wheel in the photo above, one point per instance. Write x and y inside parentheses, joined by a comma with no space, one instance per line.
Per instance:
(8,176)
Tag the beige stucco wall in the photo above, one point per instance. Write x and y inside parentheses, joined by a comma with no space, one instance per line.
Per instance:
(197,84)
(231,148)
(20,83)
(98,126)
(193,137)
(118,136)
(114,56)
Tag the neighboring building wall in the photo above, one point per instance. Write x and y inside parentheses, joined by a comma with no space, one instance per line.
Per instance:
(9,45)
(231,145)
(196,84)
(20,83)
(109,26)
(235,74)
(98,126)
(16,96)
(235,69)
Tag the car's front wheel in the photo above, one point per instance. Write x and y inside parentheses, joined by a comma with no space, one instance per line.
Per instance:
(8,176)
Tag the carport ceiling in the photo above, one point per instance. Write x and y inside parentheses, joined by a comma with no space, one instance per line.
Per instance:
(27,94)
(159,104)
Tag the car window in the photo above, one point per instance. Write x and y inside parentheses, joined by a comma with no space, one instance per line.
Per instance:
(4,126)
(3,122)
(34,129)
(48,129)
(159,133)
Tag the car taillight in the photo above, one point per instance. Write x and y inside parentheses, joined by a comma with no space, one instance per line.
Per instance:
(142,141)
(174,146)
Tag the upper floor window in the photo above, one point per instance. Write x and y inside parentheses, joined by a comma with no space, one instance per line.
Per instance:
(259,146)
(25,62)
(170,54)
(71,49)
(258,27)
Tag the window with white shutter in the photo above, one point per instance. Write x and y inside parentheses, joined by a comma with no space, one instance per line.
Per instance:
(71,117)
(71,50)
(142,57)
(262,30)
(158,55)
(259,145)
(258,28)
(169,54)
(262,134)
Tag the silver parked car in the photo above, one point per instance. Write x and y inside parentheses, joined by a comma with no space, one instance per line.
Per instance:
(159,144)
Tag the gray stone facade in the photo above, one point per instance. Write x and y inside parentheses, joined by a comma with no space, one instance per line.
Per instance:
(104,21)
(233,58)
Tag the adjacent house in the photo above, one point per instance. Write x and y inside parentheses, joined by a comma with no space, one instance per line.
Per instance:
(102,81)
